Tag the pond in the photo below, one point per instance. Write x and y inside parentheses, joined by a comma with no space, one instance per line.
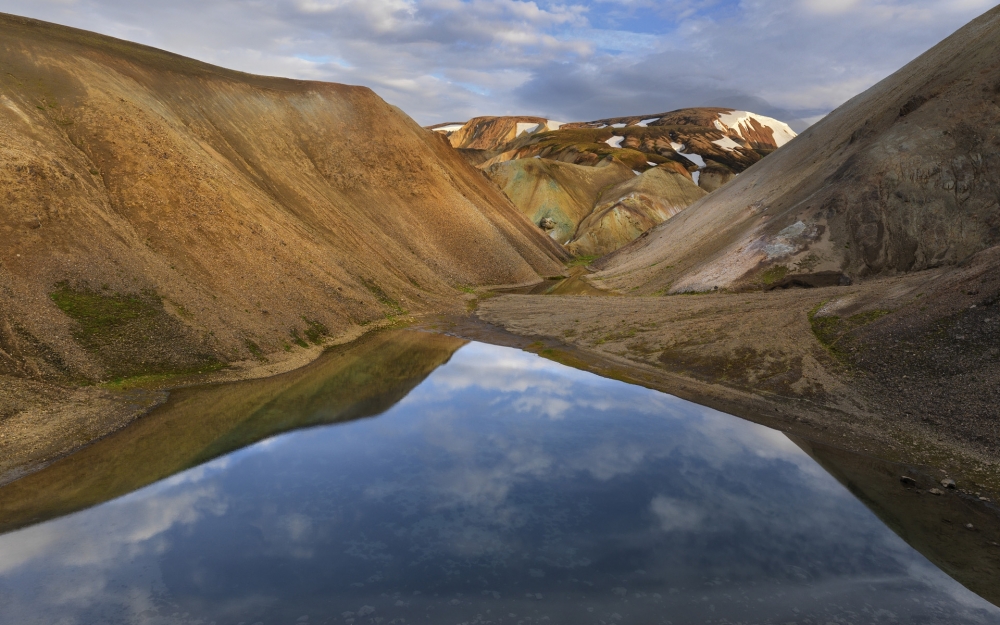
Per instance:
(424,479)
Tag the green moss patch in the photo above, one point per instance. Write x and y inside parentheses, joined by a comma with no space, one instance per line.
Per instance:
(383,297)
(315,331)
(833,332)
(131,334)
(582,261)
(774,274)
(298,340)
(98,314)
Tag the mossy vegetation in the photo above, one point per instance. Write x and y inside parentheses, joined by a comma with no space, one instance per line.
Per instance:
(255,350)
(132,334)
(99,314)
(582,261)
(774,274)
(832,331)
(298,340)
(315,331)
(394,307)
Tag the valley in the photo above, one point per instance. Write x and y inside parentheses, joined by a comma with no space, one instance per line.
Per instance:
(197,264)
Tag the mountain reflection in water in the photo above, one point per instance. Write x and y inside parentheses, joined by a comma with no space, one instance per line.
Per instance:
(502,488)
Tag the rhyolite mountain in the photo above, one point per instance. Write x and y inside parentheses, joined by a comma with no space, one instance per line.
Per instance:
(902,178)
(650,167)
(160,214)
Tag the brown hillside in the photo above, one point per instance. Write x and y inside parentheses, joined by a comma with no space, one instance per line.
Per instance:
(491,133)
(163,215)
(902,178)
(633,207)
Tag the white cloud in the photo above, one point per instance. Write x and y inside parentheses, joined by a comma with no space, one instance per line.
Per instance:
(674,515)
(448,60)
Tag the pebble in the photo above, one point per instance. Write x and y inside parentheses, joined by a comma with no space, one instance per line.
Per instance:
(970,527)
(909,481)
(949,484)
(936,491)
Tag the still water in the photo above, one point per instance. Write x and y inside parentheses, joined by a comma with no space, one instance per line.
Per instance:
(498,487)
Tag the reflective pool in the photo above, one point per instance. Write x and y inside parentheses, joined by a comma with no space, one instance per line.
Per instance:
(503,488)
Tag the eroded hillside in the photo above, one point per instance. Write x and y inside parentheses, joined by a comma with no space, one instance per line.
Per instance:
(162,215)
(904,177)
(650,167)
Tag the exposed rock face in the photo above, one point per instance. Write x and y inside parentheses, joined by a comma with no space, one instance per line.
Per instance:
(636,206)
(563,193)
(720,142)
(594,210)
(220,214)
(708,146)
(904,177)
(492,133)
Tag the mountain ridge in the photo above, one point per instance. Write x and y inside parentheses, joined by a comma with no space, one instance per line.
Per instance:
(895,180)
(224,215)
(672,158)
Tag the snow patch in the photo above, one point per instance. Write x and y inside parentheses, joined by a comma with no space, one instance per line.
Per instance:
(553,125)
(697,176)
(727,144)
(636,173)
(526,127)
(619,125)
(733,121)
(651,163)
(694,158)
(449,129)
(646,122)
(615,142)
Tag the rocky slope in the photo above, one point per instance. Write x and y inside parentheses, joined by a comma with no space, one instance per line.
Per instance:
(162,215)
(634,206)
(904,177)
(717,142)
(594,210)
(890,207)
(685,149)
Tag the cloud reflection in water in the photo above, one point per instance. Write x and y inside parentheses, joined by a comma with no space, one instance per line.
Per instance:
(504,484)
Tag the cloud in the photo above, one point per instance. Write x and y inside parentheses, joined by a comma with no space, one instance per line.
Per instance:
(674,515)
(448,60)
(456,485)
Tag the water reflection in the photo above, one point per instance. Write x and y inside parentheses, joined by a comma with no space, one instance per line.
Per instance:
(353,381)
(502,489)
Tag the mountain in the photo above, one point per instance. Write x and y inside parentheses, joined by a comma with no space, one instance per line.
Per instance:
(714,143)
(594,210)
(889,209)
(685,149)
(164,215)
(902,178)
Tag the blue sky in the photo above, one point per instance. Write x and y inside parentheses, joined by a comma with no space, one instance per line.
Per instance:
(448,60)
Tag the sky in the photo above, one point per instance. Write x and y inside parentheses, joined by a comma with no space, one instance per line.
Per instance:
(450,60)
